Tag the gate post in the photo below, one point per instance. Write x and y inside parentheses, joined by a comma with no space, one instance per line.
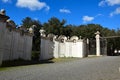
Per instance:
(97,43)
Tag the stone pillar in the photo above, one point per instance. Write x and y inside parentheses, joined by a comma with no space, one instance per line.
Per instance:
(42,44)
(87,46)
(97,43)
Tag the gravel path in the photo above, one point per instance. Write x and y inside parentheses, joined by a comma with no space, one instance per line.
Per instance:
(99,68)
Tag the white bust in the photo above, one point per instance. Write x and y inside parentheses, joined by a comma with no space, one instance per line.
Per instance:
(30,30)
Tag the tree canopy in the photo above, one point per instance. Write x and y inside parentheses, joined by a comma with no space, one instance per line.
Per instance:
(27,23)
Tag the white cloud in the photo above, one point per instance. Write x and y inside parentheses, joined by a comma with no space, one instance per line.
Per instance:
(6,1)
(102,3)
(109,2)
(32,4)
(99,15)
(87,18)
(117,11)
(65,11)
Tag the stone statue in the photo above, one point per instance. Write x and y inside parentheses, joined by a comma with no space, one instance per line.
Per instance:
(42,32)
(3,12)
(31,29)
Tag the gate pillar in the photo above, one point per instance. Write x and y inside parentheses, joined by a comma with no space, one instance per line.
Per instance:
(97,43)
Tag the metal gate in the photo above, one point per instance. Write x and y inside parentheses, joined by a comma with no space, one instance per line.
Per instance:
(113,43)
(92,46)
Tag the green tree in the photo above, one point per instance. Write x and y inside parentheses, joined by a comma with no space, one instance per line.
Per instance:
(54,26)
(27,23)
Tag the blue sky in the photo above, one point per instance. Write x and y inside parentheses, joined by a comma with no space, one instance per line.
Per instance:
(76,12)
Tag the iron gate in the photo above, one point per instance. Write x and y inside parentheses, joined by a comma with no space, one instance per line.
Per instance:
(92,46)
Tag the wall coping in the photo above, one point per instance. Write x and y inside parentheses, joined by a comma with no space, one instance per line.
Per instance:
(61,40)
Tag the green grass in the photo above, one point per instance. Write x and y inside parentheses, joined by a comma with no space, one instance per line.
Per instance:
(93,56)
(2,68)
(64,59)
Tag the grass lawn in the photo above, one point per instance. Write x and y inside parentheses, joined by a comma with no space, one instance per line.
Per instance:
(64,59)
(2,68)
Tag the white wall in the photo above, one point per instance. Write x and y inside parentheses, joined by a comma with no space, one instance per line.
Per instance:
(69,49)
(2,29)
(28,47)
(17,46)
(47,48)
(57,49)
(13,45)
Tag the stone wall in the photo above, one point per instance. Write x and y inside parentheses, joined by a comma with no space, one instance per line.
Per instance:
(55,47)
(69,49)
(47,49)
(15,43)
(2,29)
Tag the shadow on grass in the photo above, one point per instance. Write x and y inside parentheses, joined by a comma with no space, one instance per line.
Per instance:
(24,63)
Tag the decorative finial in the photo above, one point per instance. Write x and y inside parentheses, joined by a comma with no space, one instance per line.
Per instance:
(8,20)
(34,26)
(80,37)
(68,37)
(31,30)
(97,33)
(42,31)
(3,12)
